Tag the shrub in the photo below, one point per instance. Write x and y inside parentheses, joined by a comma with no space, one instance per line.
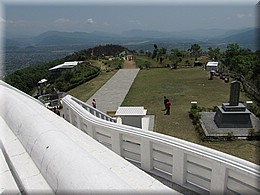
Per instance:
(230,136)
(253,134)
(194,114)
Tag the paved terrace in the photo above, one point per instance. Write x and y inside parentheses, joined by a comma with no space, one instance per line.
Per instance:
(111,95)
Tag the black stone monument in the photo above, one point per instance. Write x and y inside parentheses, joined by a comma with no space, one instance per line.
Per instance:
(233,114)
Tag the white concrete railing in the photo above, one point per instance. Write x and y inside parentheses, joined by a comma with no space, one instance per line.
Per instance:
(192,166)
(95,111)
(43,153)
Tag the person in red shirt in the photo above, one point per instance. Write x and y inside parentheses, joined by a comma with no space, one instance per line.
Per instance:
(168,107)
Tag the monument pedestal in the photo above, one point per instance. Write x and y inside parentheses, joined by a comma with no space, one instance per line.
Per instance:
(228,116)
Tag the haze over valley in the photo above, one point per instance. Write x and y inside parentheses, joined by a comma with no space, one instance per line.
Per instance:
(37,34)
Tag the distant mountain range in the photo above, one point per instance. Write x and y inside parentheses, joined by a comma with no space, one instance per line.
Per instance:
(137,38)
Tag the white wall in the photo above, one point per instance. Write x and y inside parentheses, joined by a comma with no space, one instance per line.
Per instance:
(135,121)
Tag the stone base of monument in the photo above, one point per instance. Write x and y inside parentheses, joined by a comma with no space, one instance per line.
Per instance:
(228,116)
(212,130)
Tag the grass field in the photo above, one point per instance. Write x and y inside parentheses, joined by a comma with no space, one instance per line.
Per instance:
(86,90)
(182,86)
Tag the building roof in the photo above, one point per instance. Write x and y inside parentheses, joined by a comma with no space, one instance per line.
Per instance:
(212,64)
(131,111)
(42,81)
(66,65)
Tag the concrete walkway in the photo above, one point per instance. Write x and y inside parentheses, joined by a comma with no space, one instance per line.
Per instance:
(111,95)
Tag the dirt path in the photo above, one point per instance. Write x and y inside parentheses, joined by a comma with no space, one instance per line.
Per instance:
(129,64)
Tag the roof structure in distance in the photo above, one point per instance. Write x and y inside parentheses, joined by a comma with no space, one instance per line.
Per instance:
(66,65)
(212,64)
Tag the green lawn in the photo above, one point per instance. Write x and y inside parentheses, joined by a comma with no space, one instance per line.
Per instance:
(86,90)
(182,86)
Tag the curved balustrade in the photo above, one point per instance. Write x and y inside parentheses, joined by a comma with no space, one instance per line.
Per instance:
(192,166)
(52,100)
(94,111)
(42,153)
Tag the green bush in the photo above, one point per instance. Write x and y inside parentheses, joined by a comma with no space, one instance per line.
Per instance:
(230,136)
(194,114)
(253,134)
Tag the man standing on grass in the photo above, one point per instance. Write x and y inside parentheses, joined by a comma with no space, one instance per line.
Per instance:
(164,102)
(168,107)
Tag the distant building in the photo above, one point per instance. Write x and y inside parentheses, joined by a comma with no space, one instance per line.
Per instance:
(66,65)
(212,66)
(122,54)
(42,81)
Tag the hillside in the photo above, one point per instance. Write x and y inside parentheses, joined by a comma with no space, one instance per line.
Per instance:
(246,38)
(107,50)
(29,51)
(242,36)
(26,78)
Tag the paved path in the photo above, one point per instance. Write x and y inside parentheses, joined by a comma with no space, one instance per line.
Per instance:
(111,95)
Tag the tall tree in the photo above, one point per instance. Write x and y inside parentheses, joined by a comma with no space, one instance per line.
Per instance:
(155,51)
(231,51)
(214,54)
(160,54)
(195,50)
(175,57)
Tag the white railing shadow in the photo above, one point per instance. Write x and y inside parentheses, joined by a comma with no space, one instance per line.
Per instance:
(190,165)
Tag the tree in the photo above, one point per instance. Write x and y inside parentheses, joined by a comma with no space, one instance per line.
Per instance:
(195,50)
(176,52)
(214,54)
(231,51)
(155,51)
(175,57)
(67,75)
(160,53)
(141,51)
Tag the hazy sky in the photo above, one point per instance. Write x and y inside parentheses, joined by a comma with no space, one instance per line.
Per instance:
(28,17)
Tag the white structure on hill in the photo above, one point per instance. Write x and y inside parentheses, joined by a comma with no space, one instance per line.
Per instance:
(66,65)
(41,152)
(212,66)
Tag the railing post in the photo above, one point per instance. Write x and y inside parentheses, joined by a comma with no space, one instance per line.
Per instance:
(79,121)
(179,167)
(146,154)
(92,131)
(70,117)
(116,141)
(218,178)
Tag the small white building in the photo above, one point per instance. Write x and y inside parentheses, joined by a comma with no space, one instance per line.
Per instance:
(42,81)
(66,65)
(212,66)
(131,116)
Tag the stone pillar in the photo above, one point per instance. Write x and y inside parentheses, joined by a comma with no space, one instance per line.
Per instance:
(146,154)
(179,167)
(234,93)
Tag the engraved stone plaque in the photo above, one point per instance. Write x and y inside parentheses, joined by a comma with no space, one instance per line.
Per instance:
(234,93)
